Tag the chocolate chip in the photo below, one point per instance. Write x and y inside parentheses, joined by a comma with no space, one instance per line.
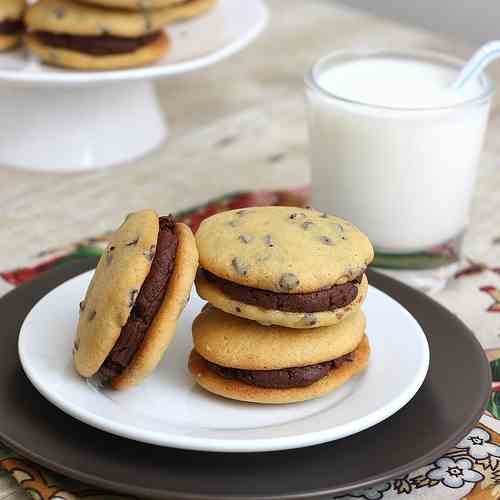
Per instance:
(92,315)
(238,309)
(288,281)
(109,255)
(326,240)
(268,240)
(242,212)
(82,305)
(240,267)
(232,223)
(150,253)
(53,57)
(307,224)
(263,258)
(296,215)
(132,243)
(59,12)
(132,297)
(148,21)
(310,319)
(245,238)
(76,345)
(104,31)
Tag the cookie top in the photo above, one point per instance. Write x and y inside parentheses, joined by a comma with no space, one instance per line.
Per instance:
(282,249)
(119,275)
(66,16)
(235,342)
(11,9)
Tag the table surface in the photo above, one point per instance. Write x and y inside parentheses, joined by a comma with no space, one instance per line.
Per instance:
(238,125)
(230,123)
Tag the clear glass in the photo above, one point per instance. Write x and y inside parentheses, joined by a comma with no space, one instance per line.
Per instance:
(403,175)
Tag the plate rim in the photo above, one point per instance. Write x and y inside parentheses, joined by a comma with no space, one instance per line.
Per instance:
(54,277)
(235,445)
(63,78)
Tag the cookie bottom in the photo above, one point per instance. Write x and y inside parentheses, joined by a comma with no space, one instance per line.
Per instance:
(8,42)
(216,297)
(162,329)
(78,60)
(230,341)
(240,391)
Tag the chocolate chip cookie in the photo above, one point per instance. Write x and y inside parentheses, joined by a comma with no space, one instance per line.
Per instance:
(73,35)
(287,266)
(11,23)
(139,289)
(240,359)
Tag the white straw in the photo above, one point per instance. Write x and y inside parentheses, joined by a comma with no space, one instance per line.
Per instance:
(487,53)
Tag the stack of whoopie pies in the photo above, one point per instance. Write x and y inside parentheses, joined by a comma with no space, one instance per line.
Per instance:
(285,286)
(139,289)
(104,34)
(11,23)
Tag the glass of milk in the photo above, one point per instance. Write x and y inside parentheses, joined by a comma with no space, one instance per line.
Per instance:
(395,150)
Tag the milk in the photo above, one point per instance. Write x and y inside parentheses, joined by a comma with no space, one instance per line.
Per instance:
(394,149)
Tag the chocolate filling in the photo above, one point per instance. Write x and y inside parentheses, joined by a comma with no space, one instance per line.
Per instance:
(146,305)
(323,300)
(10,27)
(284,378)
(101,45)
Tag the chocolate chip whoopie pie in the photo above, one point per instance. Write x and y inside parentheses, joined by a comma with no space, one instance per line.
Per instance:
(74,35)
(240,359)
(140,287)
(11,23)
(287,266)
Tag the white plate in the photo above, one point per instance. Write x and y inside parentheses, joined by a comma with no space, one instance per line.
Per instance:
(168,409)
(196,43)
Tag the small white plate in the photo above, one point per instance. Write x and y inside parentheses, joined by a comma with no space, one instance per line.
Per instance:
(168,409)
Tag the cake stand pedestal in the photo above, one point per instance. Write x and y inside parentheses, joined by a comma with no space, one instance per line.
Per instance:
(78,128)
(65,121)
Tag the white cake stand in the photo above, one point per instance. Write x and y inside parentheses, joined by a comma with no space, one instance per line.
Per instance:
(61,120)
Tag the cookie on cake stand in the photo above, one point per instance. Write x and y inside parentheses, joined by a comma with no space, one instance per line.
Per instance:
(11,23)
(65,120)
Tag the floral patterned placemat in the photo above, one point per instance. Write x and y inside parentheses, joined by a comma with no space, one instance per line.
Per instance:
(471,470)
